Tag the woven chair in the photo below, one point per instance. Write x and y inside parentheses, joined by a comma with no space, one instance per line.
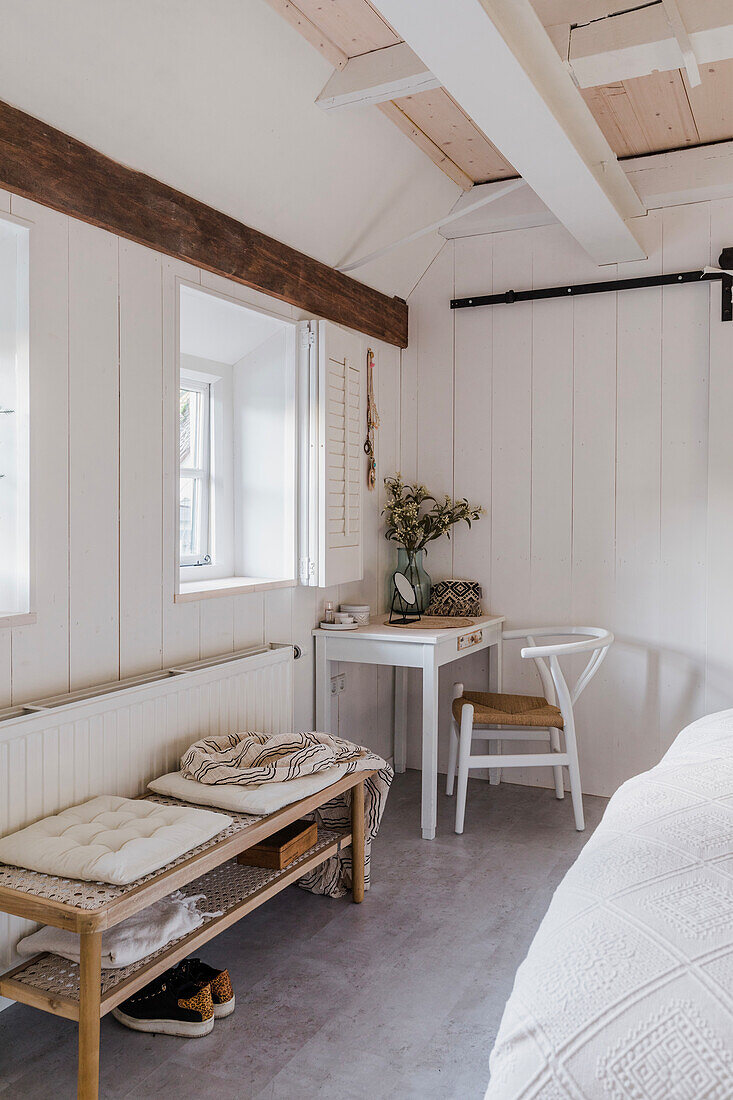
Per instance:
(527,717)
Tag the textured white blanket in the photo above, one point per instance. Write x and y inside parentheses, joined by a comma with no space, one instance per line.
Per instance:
(627,990)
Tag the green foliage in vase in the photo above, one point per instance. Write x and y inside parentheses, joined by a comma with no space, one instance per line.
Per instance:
(415,517)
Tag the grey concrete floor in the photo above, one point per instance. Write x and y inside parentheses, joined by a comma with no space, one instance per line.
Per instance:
(399,997)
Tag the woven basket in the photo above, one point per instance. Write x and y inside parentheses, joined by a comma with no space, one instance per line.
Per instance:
(455,597)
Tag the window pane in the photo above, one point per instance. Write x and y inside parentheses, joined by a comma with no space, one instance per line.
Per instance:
(190,525)
(191,435)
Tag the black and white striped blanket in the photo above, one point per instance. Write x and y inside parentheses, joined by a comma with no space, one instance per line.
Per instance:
(249,759)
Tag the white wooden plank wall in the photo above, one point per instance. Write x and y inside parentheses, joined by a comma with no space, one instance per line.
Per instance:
(596,434)
(103,410)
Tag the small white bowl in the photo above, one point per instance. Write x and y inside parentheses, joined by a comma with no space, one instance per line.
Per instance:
(359,611)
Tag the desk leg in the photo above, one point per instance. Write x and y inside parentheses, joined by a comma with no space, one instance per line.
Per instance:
(323,687)
(400,719)
(357,842)
(90,993)
(429,743)
(495,678)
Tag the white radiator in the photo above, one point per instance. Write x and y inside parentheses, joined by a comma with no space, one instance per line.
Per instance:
(113,739)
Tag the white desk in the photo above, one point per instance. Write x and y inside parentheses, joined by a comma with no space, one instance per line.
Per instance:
(406,647)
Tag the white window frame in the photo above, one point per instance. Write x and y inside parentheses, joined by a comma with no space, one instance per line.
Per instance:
(202,474)
(22,607)
(189,584)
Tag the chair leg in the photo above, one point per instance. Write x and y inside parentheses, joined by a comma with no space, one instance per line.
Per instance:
(453,747)
(452,757)
(557,772)
(464,754)
(495,773)
(576,793)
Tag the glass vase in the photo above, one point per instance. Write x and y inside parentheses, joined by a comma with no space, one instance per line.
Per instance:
(411,564)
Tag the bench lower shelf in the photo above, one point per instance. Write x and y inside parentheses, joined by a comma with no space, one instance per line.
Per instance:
(232,889)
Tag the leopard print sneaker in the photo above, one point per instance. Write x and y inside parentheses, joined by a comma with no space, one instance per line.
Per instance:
(169,1007)
(219,982)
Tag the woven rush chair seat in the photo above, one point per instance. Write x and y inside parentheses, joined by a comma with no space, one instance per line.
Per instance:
(495,709)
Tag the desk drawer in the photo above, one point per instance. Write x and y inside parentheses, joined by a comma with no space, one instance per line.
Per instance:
(469,640)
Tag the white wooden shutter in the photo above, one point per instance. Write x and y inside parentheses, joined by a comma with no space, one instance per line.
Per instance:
(336,457)
(341,388)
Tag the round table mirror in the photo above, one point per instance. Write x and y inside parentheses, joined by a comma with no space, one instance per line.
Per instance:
(405,589)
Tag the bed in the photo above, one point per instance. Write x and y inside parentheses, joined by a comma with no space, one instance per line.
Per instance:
(626,992)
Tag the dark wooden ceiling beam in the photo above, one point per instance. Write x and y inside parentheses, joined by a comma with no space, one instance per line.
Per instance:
(46,165)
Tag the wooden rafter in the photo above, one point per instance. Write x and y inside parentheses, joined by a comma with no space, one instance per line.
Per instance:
(46,165)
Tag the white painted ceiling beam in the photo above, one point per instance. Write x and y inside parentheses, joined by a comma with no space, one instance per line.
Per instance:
(638,42)
(497,61)
(702,173)
(376,77)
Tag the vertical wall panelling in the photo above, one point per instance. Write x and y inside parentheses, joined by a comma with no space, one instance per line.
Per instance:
(552,431)
(409,390)
(473,391)
(141,460)
(5,635)
(216,626)
(638,457)
(554,256)
(248,620)
(433,404)
(387,368)
(93,456)
(40,651)
(719,597)
(511,433)
(594,514)
(683,502)
(606,469)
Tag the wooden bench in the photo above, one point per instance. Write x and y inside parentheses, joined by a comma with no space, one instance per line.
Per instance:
(84,993)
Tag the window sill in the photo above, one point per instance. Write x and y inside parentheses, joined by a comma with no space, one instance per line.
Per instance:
(227,586)
(22,619)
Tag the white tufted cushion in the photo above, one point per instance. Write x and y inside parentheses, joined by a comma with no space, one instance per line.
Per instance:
(110,839)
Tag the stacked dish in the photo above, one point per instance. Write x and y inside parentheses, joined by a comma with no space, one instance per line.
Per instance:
(359,612)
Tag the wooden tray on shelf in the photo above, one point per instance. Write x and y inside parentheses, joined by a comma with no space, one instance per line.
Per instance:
(280,849)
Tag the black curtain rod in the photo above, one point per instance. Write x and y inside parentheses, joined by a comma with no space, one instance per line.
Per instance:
(510,296)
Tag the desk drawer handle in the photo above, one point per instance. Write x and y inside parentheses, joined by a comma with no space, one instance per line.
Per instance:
(465,641)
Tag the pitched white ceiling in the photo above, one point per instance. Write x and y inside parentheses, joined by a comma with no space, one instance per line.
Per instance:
(214,328)
(217,99)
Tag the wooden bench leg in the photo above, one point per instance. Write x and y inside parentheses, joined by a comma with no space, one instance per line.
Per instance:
(357,842)
(90,995)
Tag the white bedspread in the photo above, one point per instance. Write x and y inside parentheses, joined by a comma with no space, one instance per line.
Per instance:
(627,990)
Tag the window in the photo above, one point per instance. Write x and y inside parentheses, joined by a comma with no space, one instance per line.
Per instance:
(14,422)
(195,466)
(236,445)
(271,465)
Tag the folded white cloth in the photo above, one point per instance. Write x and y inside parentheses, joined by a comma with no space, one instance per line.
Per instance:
(264,798)
(141,934)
